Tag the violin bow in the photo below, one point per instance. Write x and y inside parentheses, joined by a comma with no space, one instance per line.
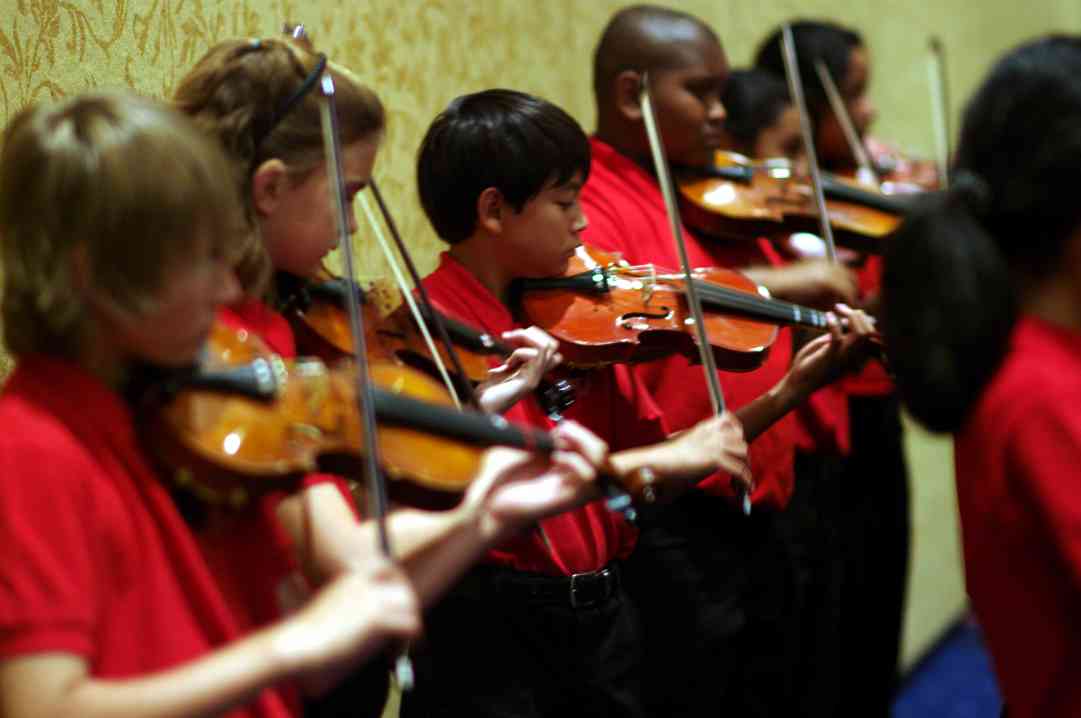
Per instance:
(664,178)
(866,171)
(456,390)
(795,88)
(936,75)
(365,398)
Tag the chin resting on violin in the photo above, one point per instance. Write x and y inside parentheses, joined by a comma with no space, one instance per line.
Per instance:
(215,616)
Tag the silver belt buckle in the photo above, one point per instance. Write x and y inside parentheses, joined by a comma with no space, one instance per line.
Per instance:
(604,573)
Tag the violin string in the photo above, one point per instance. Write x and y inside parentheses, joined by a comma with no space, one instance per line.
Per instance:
(754,305)
(433,316)
(407,297)
(771,308)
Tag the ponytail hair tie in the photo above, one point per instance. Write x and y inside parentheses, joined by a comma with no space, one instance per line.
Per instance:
(972,191)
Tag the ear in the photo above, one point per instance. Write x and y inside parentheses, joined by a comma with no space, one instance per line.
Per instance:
(490,209)
(80,270)
(268,184)
(100,307)
(627,86)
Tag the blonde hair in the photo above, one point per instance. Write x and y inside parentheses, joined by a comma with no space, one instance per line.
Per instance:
(239,92)
(122,179)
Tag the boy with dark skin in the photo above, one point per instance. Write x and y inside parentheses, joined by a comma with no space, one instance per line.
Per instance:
(551,653)
(725,634)
(875,519)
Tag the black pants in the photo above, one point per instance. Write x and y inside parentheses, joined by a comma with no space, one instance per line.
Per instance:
(812,527)
(497,647)
(362,694)
(876,538)
(719,606)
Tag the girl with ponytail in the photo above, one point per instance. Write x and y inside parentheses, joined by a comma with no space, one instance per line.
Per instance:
(982,295)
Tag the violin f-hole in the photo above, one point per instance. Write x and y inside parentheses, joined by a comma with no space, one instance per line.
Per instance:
(628,321)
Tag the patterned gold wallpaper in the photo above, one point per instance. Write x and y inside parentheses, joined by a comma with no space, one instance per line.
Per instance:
(418,54)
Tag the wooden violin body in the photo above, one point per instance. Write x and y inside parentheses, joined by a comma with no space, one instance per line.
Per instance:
(604,312)
(321,326)
(250,421)
(741,198)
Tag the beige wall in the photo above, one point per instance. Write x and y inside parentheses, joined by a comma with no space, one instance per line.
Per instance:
(420,53)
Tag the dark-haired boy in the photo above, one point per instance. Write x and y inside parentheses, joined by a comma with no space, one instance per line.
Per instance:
(545,622)
(499,174)
(725,633)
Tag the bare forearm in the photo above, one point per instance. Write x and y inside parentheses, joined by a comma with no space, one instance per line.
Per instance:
(436,548)
(432,547)
(760,414)
(208,686)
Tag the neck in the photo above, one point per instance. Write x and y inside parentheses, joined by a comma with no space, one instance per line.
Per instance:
(103,361)
(476,254)
(1055,300)
(627,141)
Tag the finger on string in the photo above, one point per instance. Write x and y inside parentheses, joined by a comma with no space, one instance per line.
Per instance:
(571,436)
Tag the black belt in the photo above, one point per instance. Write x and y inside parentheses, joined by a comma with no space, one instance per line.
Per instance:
(580,590)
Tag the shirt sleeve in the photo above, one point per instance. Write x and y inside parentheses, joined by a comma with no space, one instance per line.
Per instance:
(49,577)
(1043,456)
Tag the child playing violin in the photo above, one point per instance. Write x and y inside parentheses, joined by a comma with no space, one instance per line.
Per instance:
(874,522)
(256,99)
(548,624)
(109,605)
(983,319)
(725,633)
(760,120)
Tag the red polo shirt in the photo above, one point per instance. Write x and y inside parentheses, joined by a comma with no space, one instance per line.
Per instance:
(873,379)
(98,562)
(822,421)
(1019,494)
(626,214)
(611,402)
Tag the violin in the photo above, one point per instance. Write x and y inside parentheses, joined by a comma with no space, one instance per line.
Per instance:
(315,310)
(900,173)
(605,311)
(737,197)
(246,421)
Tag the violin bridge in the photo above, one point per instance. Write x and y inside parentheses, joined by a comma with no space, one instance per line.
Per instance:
(650,285)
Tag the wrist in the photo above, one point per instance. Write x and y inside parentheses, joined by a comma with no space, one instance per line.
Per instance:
(283,648)
(788,393)
(478,520)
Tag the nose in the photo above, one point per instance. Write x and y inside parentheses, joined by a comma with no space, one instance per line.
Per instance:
(716,111)
(228,286)
(864,113)
(581,221)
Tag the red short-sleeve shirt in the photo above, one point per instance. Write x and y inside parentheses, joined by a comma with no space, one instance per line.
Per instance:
(611,402)
(1019,494)
(98,562)
(626,214)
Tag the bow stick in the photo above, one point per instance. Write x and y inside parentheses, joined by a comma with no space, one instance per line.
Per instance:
(795,88)
(705,350)
(377,490)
